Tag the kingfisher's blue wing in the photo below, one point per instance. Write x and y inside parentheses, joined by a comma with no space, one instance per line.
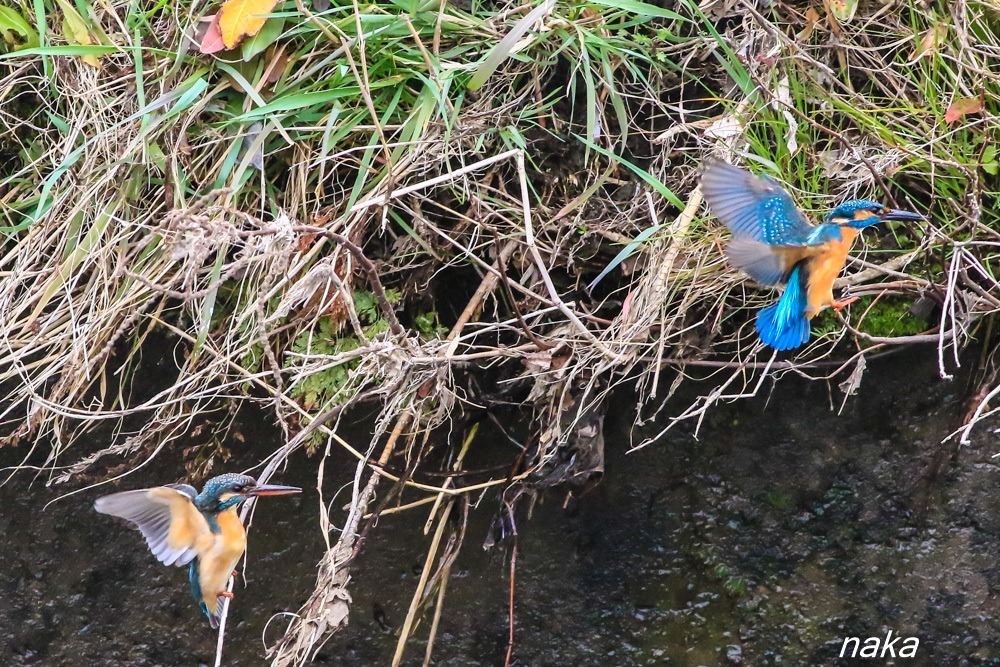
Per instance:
(754,207)
(166,517)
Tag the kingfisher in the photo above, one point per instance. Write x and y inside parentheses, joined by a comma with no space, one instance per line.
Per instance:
(202,530)
(775,244)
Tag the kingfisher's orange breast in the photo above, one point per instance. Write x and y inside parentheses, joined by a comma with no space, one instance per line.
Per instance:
(216,565)
(823,269)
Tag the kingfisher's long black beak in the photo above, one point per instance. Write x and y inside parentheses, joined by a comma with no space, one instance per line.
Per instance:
(273,490)
(896,214)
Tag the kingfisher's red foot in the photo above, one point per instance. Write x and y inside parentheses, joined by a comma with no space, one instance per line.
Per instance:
(236,573)
(226,594)
(839,305)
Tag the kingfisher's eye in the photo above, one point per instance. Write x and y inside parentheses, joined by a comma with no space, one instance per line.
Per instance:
(240,488)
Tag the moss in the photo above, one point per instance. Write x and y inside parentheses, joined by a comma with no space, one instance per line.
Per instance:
(318,388)
(779,500)
(887,317)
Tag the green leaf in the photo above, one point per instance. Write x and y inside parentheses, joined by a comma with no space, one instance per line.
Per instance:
(654,182)
(208,306)
(989,160)
(12,25)
(505,46)
(313,98)
(844,10)
(364,304)
(67,50)
(195,86)
(75,28)
(641,8)
(156,156)
(625,253)
(267,36)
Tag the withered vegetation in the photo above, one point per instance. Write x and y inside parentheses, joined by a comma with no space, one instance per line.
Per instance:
(378,203)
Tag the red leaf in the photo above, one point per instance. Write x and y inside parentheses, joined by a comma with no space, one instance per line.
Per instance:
(427,388)
(962,107)
(627,304)
(212,41)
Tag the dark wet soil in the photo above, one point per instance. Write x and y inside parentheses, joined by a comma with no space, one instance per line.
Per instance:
(783,529)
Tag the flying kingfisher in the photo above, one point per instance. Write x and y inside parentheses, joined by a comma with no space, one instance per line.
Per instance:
(183,526)
(774,244)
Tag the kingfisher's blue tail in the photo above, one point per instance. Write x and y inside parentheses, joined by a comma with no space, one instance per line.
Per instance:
(784,326)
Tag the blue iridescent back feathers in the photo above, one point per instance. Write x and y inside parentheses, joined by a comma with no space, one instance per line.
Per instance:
(758,208)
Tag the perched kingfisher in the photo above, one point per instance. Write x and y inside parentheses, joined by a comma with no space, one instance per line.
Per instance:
(183,526)
(774,244)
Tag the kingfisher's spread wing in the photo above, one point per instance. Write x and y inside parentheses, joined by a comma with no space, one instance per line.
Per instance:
(767,264)
(173,527)
(754,207)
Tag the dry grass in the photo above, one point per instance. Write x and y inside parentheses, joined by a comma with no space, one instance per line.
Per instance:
(283,215)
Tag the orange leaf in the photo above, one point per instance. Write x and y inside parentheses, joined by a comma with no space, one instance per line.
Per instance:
(962,107)
(812,20)
(211,41)
(243,18)
(930,41)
